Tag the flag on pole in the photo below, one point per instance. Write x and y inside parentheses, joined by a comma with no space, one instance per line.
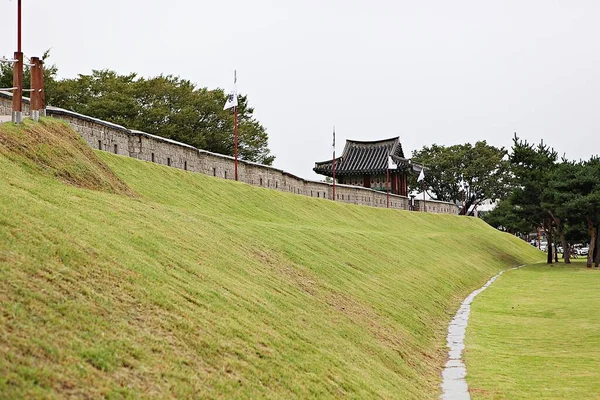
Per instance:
(421,176)
(333,145)
(232,98)
(391,163)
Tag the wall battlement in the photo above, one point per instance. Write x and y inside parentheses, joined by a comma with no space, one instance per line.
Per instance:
(117,139)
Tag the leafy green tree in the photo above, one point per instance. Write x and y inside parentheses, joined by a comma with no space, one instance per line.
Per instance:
(103,94)
(472,173)
(505,217)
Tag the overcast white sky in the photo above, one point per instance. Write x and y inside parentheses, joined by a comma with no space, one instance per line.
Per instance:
(441,72)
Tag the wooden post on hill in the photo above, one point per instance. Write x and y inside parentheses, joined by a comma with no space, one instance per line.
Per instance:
(17,100)
(42,88)
(34,99)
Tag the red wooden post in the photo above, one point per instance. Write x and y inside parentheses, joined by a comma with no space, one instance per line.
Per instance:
(42,88)
(333,169)
(388,187)
(333,165)
(34,99)
(17,100)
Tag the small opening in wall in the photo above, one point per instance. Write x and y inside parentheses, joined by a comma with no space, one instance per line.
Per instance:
(318,194)
(268,183)
(152,157)
(214,171)
(169,161)
(99,144)
(225,174)
(260,181)
(116,149)
(185,165)
(276,185)
(140,139)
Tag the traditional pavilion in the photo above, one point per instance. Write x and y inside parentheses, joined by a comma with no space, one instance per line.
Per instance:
(366,164)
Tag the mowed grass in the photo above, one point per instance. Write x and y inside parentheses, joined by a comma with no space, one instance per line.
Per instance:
(188,286)
(535,334)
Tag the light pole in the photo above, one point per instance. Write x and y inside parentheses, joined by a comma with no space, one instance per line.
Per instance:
(17,101)
(19,27)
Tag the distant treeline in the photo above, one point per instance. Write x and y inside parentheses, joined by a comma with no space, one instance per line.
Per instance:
(561,197)
(166,105)
(535,189)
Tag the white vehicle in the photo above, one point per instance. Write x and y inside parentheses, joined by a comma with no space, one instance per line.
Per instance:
(583,251)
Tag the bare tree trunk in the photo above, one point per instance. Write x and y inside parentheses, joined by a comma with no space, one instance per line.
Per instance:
(592,232)
(549,239)
(563,241)
(565,246)
(597,249)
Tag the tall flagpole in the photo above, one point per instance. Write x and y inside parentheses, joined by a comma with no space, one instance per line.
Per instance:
(235,127)
(333,163)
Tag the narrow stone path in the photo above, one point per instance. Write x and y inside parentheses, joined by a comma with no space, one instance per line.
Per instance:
(454,385)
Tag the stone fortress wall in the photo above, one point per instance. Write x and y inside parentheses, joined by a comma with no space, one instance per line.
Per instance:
(117,139)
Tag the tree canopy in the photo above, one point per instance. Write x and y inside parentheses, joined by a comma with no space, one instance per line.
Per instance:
(464,172)
(560,196)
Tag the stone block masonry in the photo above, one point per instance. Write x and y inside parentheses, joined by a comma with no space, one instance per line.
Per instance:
(117,139)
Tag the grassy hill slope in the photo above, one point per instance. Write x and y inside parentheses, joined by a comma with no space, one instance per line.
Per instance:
(184,285)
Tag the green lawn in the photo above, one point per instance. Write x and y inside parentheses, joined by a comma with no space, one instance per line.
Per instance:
(127,279)
(535,334)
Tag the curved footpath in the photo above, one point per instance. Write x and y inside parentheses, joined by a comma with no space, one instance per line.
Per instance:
(454,385)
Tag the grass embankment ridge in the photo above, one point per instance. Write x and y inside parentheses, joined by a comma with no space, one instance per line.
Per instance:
(201,287)
(535,334)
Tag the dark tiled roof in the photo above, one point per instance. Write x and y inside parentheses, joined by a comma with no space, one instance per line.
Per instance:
(364,158)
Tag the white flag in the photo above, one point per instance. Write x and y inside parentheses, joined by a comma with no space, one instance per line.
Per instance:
(232,100)
(421,176)
(391,163)
(333,146)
